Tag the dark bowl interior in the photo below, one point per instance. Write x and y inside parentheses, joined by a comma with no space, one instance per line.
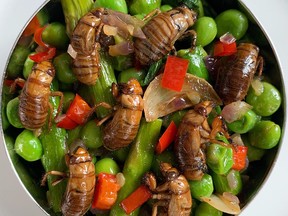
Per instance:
(259,170)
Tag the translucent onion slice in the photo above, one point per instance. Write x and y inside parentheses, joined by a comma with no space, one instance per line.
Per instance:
(235,110)
(226,203)
(257,86)
(159,101)
(123,48)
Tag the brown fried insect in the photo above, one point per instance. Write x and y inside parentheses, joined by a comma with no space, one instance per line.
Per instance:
(193,131)
(89,37)
(173,196)
(161,32)
(81,183)
(34,98)
(235,72)
(123,128)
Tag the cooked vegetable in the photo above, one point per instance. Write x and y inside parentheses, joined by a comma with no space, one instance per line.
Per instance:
(206,30)
(202,188)
(239,157)
(167,138)
(106,165)
(112,4)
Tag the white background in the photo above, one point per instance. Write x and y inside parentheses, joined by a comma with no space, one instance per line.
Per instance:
(273,15)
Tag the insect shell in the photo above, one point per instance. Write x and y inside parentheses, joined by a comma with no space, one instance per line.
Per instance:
(192,132)
(161,33)
(173,195)
(123,128)
(34,98)
(234,73)
(81,183)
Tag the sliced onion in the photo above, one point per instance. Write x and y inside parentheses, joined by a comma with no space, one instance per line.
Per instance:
(227,38)
(159,101)
(71,51)
(235,110)
(120,179)
(257,86)
(110,30)
(123,48)
(225,203)
(237,140)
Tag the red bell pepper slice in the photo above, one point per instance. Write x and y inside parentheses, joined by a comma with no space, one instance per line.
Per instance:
(79,110)
(43,56)
(38,37)
(224,49)
(239,157)
(106,191)
(32,26)
(174,73)
(66,123)
(136,199)
(167,138)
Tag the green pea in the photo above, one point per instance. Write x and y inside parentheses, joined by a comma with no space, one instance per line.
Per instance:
(202,188)
(55,35)
(125,75)
(253,153)
(206,29)
(219,158)
(196,65)
(6,97)
(106,165)
(165,7)
(12,113)
(68,98)
(63,67)
(267,103)
(230,182)
(265,135)
(204,209)
(119,5)
(91,135)
(143,6)
(28,146)
(232,21)
(245,123)
(28,64)
(17,60)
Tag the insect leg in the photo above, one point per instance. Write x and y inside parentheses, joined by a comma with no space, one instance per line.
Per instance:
(60,94)
(55,173)
(19,81)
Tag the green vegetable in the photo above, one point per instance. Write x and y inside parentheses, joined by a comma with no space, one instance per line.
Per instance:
(197,65)
(28,64)
(138,162)
(230,182)
(73,134)
(176,117)
(63,67)
(6,97)
(119,5)
(195,5)
(204,209)
(106,165)
(267,103)
(73,10)
(17,60)
(12,113)
(54,150)
(206,29)
(219,158)
(68,98)
(265,134)
(152,72)
(166,7)
(202,188)
(43,16)
(232,21)
(28,146)
(245,123)
(29,182)
(253,153)
(55,35)
(166,156)
(101,90)
(125,75)
(121,154)
(143,6)
(91,135)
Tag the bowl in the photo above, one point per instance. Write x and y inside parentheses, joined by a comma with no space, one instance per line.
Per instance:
(264,170)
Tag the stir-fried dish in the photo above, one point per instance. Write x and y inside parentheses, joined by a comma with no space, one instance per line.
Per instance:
(139,107)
